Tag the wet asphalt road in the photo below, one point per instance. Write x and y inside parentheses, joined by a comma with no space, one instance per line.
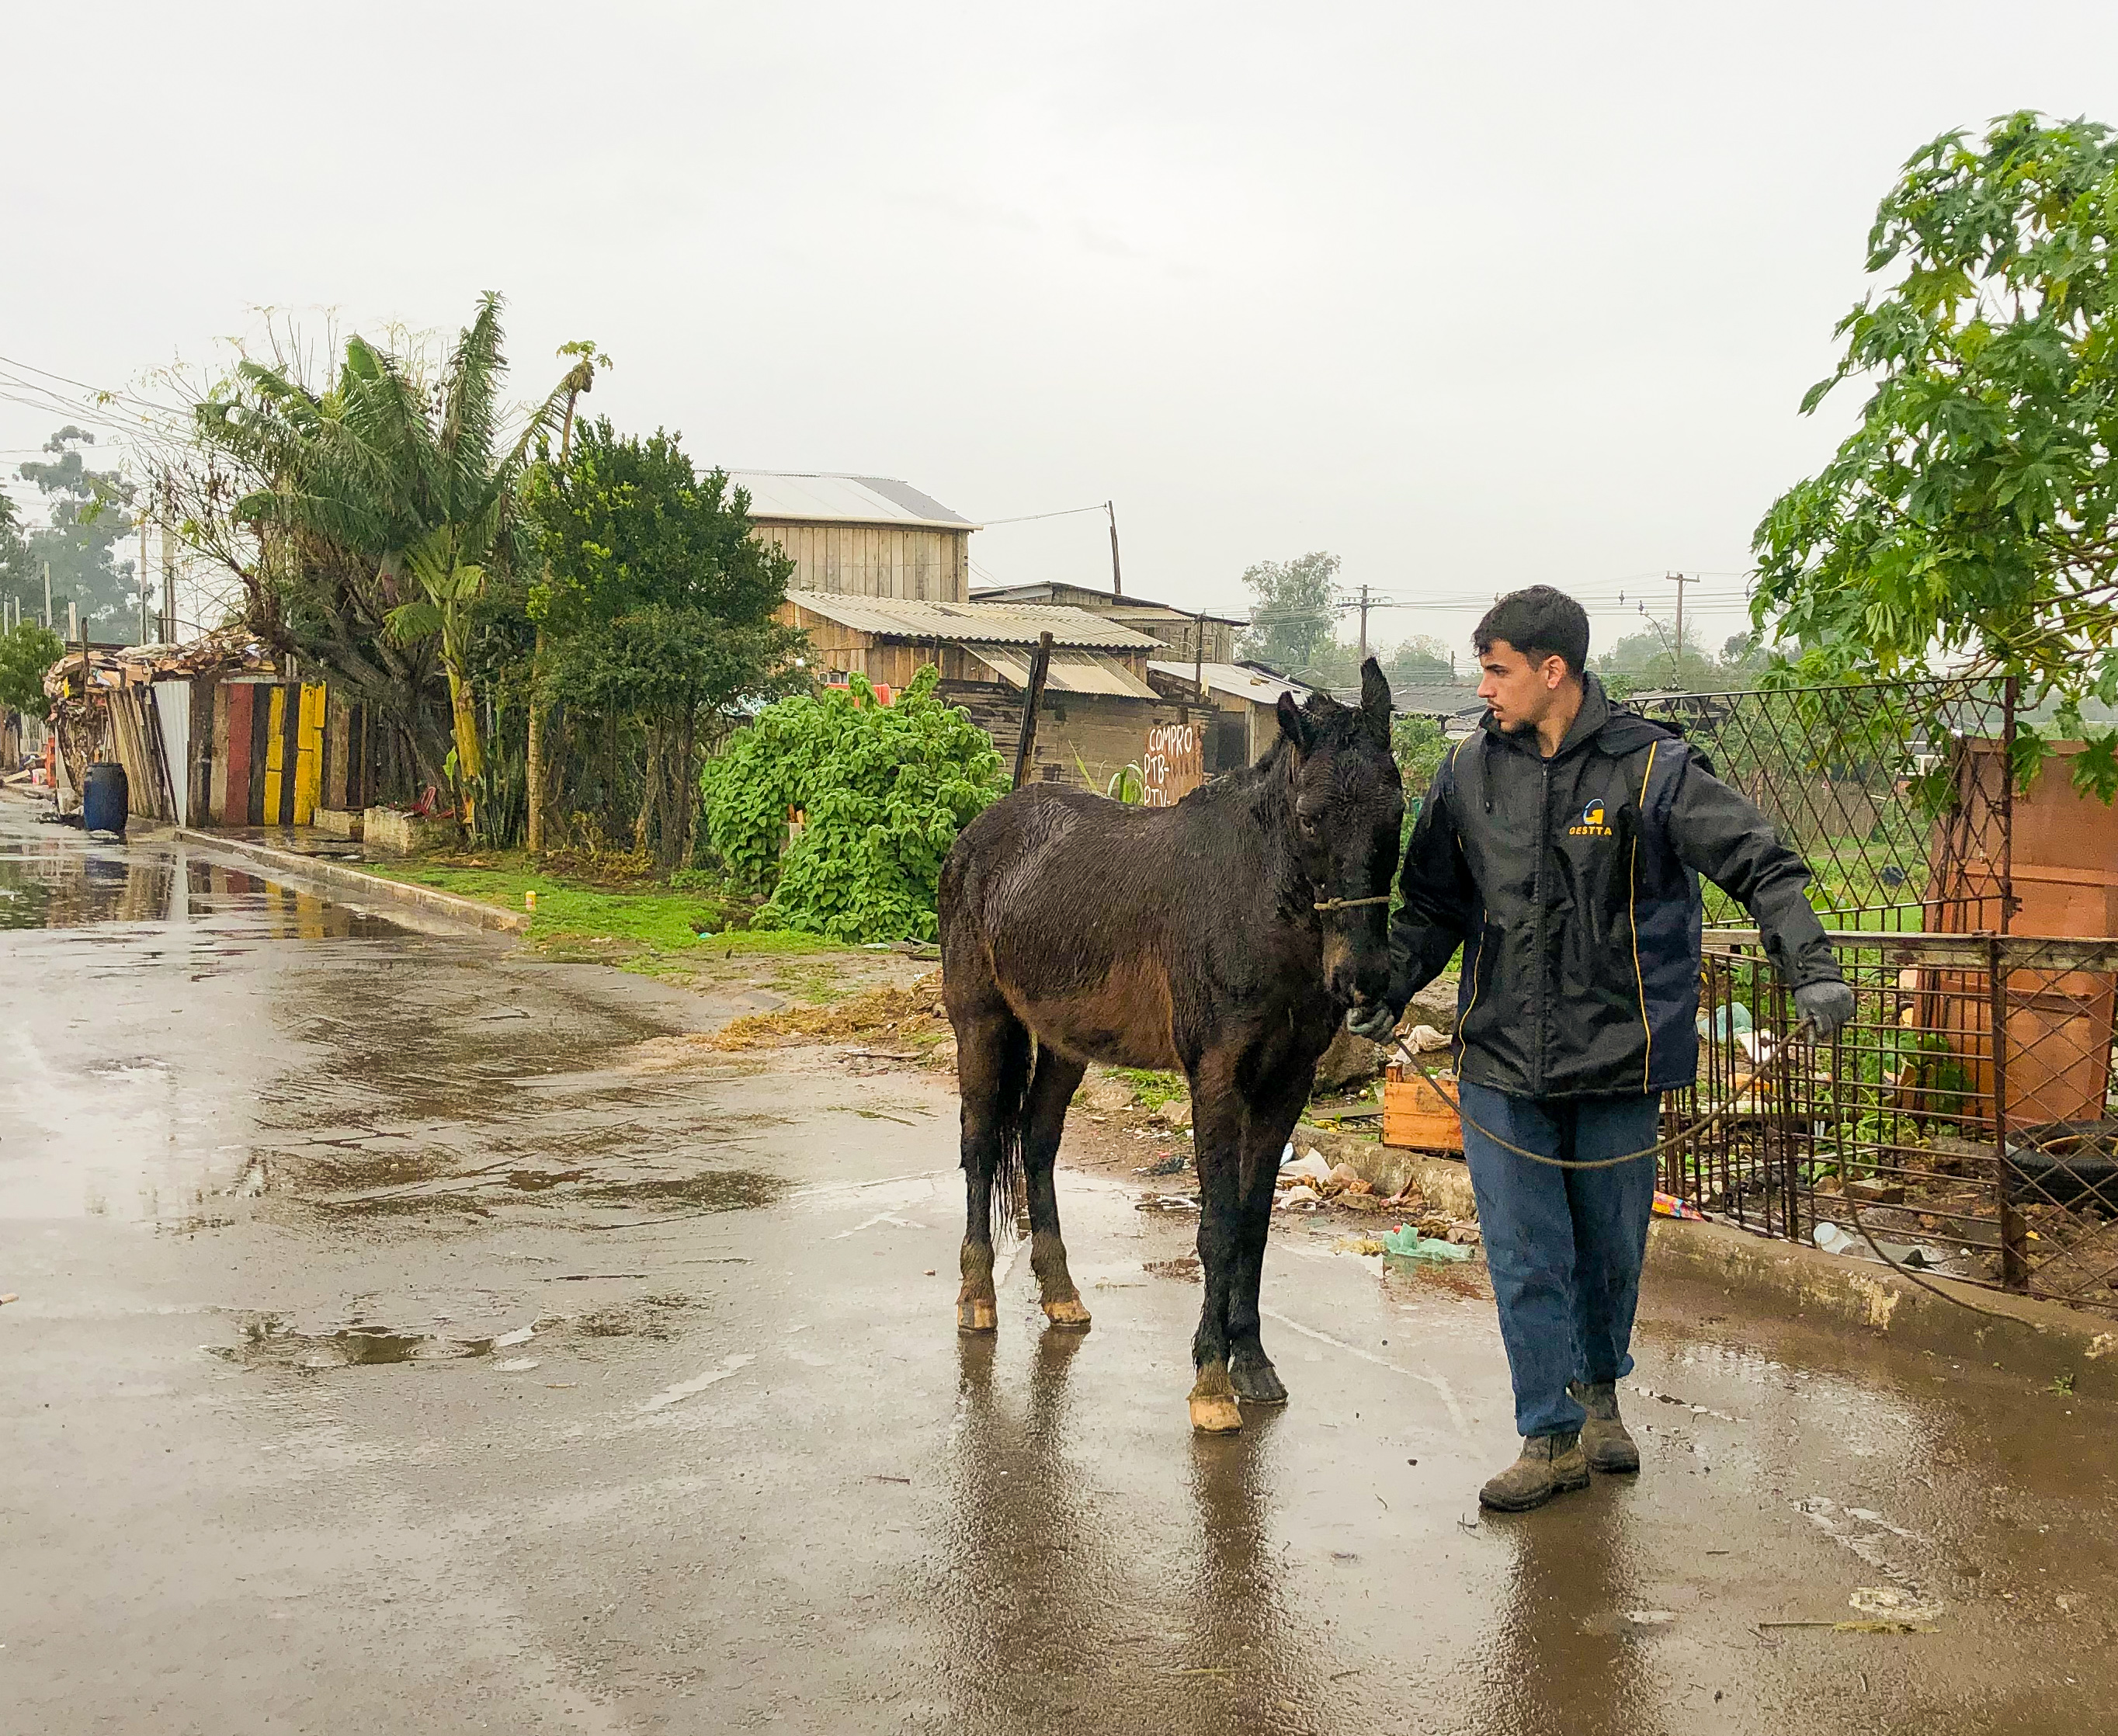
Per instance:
(283,1183)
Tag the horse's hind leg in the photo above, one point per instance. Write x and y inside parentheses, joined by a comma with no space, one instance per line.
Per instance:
(1050,1090)
(993,1070)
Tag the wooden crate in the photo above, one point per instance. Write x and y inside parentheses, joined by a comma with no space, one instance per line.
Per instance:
(1416,1116)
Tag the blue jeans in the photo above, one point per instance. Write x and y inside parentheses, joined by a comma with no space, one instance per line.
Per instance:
(1563,1246)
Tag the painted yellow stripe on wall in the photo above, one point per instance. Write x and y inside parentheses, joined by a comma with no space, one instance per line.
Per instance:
(1632,910)
(309,753)
(276,752)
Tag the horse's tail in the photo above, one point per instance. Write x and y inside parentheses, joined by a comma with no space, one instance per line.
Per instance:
(1009,1198)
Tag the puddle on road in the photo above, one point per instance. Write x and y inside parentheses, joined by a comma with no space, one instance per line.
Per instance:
(63,882)
(269,1341)
(196,1072)
(274,1342)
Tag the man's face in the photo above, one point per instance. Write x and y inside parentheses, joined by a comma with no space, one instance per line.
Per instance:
(1518,692)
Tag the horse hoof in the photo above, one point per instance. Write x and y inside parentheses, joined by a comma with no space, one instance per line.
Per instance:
(976,1314)
(1257,1383)
(1069,1314)
(1213,1410)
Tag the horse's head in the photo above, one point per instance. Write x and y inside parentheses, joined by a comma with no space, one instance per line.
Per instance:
(1348,809)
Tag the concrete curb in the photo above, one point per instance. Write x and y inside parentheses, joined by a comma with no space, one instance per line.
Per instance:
(2036,1335)
(295,865)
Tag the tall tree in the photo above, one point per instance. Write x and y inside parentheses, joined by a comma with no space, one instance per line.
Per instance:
(1972,516)
(17,573)
(86,518)
(657,605)
(1420,659)
(580,378)
(1295,614)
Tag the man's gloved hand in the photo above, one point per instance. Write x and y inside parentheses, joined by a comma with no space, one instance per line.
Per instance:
(1826,1006)
(1375,1022)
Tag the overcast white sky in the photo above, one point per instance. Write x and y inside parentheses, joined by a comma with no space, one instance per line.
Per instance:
(1472,296)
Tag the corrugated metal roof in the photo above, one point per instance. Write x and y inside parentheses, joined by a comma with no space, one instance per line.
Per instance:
(1429,699)
(819,498)
(1041,590)
(966,623)
(1235,679)
(1070,672)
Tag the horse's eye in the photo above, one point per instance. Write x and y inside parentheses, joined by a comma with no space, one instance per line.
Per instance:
(1308,825)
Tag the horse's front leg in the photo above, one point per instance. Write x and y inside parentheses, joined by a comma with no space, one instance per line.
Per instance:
(1274,1111)
(1218,1115)
(1052,1089)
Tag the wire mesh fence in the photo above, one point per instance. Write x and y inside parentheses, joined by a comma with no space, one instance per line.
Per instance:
(1965,1118)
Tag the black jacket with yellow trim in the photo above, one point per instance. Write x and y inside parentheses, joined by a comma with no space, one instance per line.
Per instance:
(1572,885)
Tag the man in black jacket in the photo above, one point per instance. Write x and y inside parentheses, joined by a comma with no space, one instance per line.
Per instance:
(1561,847)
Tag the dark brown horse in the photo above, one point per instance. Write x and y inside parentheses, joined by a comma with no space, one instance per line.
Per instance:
(1216,936)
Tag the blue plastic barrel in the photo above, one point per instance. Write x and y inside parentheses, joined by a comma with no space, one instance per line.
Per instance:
(104,798)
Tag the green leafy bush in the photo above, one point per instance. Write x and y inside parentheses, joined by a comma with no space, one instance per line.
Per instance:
(26,651)
(884,791)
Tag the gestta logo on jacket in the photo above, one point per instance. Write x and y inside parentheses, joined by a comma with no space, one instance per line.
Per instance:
(1591,824)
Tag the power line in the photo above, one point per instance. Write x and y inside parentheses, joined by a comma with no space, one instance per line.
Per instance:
(1030,517)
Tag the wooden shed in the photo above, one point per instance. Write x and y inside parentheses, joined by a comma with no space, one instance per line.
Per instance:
(1099,706)
(861,536)
(1184,632)
(1243,697)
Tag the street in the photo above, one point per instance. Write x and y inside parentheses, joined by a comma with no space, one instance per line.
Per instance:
(413,1334)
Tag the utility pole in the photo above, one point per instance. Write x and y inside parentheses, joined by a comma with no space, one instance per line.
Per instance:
(140,579)
(169,576)
(1364,626)
(1117,579)
(1198,656)
(47,596)
(1676,665)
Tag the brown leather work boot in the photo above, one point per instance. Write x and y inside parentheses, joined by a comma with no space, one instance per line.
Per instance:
(1604,1442)
(1549,1466)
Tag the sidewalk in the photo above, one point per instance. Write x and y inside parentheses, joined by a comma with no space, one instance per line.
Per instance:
(305,852)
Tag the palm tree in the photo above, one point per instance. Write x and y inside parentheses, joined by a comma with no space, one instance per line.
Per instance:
(406,482)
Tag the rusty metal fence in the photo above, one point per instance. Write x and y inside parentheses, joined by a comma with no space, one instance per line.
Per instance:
(1965,1116)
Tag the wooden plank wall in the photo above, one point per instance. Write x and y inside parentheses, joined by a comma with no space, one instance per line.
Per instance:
(268,753)
(1099,732)
(874,560)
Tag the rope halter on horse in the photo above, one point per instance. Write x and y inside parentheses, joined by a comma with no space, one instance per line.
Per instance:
(1348,904)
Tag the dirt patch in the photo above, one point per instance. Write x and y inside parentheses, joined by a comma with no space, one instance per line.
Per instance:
(713,1190)
(909,1019)
(651,1317)
(1185,1270)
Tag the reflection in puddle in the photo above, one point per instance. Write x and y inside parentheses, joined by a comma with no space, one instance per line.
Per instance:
(61,883)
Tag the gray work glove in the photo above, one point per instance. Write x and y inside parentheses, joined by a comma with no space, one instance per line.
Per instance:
(1376,1022)
(1826,1006)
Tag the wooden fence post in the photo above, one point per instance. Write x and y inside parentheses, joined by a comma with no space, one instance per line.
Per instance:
(1033,696)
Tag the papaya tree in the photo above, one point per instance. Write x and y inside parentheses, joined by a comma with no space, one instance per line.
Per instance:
(1971,519)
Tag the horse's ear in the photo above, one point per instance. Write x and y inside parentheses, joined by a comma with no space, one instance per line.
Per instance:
(1294,723)
(1376,700)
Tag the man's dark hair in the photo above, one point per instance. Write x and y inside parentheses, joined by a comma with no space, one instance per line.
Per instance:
(1540,623)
